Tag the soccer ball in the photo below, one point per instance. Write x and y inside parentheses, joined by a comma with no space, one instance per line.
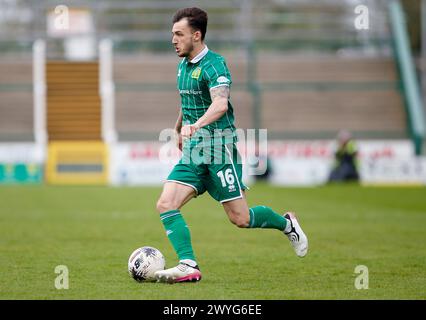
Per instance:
(143,263)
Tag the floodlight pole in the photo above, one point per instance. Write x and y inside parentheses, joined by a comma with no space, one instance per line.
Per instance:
(107,90)
(423,49)
(39,92)
(423,58)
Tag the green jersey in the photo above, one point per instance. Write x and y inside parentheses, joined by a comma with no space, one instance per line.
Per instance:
(195,78)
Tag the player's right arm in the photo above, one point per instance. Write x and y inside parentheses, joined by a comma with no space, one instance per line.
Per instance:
(178,127)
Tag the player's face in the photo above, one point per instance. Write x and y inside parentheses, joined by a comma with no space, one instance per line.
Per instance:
(183,38)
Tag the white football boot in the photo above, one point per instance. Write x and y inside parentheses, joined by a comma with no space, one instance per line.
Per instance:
(181,273)
(297,237)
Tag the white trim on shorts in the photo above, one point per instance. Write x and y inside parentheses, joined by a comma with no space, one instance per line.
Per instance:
(185,184)
(236,178)
(235,171)
(235,198)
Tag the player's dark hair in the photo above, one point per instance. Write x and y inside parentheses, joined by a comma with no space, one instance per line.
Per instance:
(197,19)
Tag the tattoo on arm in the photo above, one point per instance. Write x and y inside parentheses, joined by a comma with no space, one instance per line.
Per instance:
(222,92)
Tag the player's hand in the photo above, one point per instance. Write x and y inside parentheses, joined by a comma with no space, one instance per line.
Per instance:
(188,131)
(178,140)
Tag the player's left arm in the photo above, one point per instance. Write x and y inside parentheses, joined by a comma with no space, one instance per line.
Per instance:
(217,109)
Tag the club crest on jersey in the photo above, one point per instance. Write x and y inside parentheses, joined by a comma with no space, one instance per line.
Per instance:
(196,73)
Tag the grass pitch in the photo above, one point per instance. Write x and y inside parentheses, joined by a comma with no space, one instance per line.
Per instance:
(93,230)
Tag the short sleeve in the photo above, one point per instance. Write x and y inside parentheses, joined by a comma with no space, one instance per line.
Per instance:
(217,74)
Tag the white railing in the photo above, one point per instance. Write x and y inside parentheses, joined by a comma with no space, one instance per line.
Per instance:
(106,91)
(39,92)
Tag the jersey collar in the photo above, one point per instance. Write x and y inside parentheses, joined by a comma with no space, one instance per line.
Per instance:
(200,56)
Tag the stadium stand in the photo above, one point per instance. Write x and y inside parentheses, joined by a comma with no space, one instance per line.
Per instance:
(16,100)
(299,68)
(324,94)
(73,102)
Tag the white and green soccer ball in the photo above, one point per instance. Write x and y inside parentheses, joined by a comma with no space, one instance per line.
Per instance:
(144,262)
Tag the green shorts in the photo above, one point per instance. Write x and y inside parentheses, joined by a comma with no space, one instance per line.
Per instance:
(217,170)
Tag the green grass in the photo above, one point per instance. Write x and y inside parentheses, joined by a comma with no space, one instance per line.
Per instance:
(93,230)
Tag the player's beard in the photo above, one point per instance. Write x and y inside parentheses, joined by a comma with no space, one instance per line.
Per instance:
(185,53)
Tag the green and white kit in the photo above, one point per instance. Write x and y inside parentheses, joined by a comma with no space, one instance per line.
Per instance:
(210,160)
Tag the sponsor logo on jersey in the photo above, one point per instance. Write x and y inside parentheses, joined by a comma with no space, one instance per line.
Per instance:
(196,73)
(222,79)
(183,91)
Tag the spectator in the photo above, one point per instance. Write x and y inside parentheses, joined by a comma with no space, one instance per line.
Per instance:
(345,167)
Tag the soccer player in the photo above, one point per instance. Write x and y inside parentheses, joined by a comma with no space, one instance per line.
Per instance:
(206,125)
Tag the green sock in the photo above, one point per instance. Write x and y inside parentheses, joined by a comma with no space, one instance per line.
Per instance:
(265,217)
(178,234)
